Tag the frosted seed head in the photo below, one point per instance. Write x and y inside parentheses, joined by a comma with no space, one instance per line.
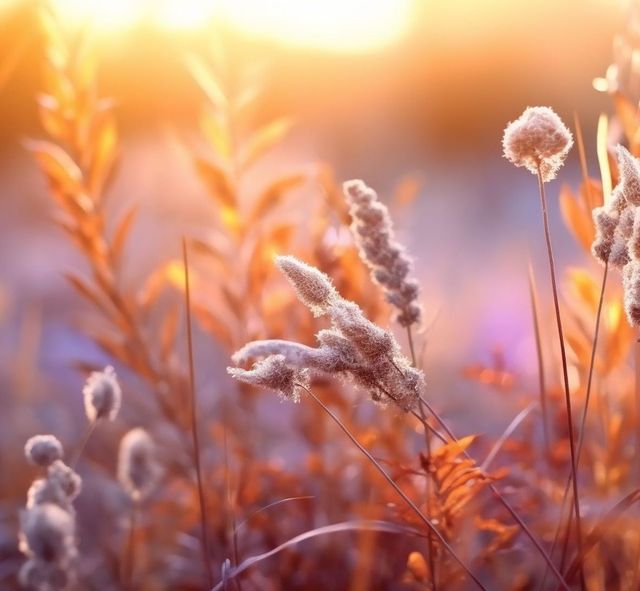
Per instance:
(605,224)
(43,450)
(273,373)
(296,355)
(409,315)
(629,175)
(45,490)
(66,478)
(633,245)
(138,468)
(369,340)
(102,395)
(47,533)
(631,286)
(538,138)
(339,353)
(313,288)
(358,193)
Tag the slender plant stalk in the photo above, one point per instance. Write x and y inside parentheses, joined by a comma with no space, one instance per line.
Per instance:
(504,502)
(231,514)
(91,427)
(583,420)
(128,560)
(194,423)
(393,484)
(541,379)
(427,440)
(565,373)
(636,391)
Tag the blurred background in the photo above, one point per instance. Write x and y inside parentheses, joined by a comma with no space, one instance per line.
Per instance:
(379,90)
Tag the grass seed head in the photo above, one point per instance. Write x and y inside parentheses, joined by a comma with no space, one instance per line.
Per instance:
(43,450)
(273,373)
(312,286)
(138,468)
(102,395)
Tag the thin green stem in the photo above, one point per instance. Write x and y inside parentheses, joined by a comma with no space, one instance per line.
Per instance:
(393,484)
(565,371)
(194,423)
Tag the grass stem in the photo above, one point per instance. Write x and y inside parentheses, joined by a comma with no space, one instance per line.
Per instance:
(393,484)
(206,555)
(565,371)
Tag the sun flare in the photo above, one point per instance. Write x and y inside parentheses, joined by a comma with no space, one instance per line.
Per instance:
(335,25)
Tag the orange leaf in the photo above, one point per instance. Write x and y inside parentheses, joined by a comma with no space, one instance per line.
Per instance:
(217,182)
(577,219)
(265,139)
(273,195)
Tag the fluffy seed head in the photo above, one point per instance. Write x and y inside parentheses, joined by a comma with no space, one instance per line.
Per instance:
(629,172)
(371,341)
(273,373)
(66,478)
(387,260)
(631,285)
(102,395)
(138,468)
(43,450)
(48,533)
(538,138)
(45,490)
(313,288)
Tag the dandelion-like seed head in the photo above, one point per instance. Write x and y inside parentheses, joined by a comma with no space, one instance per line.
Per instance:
(102,395)
(273,373)
(138,467)
(43,450)
(538,139)
(313,288)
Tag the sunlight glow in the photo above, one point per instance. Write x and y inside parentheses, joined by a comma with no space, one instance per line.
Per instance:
(335,25)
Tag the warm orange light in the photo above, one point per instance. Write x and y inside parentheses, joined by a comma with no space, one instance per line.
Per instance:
(337,25)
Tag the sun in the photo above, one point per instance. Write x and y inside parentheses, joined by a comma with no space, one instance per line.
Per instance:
(334,25)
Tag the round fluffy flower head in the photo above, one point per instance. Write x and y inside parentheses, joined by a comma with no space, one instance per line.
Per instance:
(43,450)
(273,373)
(313,288)
(537,139)
(138,469)
(102,395)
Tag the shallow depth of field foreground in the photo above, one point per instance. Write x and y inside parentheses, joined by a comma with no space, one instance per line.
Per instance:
(309,296)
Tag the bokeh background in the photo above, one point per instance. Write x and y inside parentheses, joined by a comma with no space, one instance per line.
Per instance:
(380,90)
